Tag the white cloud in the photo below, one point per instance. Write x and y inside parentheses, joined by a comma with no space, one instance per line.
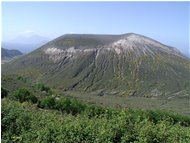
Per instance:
(27,33)
(72,33)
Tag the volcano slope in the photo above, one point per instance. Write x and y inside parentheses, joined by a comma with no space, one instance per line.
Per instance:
(128,64)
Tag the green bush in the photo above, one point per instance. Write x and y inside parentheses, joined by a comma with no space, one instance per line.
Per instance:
(42,87)
(69,106)
(24,123)
(156,116)
(22,79)
(4,92)
(23,95)
(61,104)
(48,102)
(75,107)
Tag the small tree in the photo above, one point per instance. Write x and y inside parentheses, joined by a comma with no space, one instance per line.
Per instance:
(60,105)
(48,102)
(69,106)
(25,95)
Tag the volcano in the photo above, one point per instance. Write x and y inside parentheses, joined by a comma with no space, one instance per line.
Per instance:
(127,64)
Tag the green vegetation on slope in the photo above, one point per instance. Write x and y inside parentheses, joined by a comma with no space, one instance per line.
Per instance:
(14,82)
(67,120)
(24,95)
(23,122)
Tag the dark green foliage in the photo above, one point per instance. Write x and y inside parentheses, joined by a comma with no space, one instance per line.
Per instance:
(33,99)
(48,102)
(63,105)
(4,92)
(94,111)
(23,95)
(22,79)
(74,107)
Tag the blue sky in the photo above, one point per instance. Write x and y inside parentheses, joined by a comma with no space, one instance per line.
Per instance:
(167,22)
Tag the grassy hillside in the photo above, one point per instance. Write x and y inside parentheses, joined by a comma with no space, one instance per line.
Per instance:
(114,100)
(89,63)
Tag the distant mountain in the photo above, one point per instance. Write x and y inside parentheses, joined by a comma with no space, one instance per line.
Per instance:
(26,42)
(28,39)
(9,54)
(128,64)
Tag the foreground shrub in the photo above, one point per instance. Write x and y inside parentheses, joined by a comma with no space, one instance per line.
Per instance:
(23,123)
(156,116)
